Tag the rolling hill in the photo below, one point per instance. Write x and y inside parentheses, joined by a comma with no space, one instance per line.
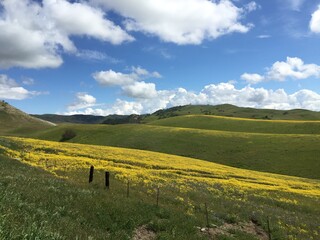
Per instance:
(289,154)
(15,122)
(218,110)
(187,188)
(276,178)
(229,110)
(284,147)
(241,124)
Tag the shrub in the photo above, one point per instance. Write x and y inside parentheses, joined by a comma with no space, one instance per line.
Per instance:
(67,135)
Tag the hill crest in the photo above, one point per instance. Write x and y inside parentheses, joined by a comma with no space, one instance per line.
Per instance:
(14,121)
(224,110)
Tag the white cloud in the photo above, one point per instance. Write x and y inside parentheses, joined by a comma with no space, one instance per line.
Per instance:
(93,55)
(214,94)
(143,73)
(252,78)
(181,21)
(315,21)
(89,21)
(33,34)
(295,4)
(140,90)
(83,100)
(27,81)
(10,89)
(112,78)
(251,6)
(130,83)
(120,107)
(293,68)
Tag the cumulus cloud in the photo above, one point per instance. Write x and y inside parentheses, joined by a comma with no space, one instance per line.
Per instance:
(181,21)
(315,21)
(140,90)
(33,34)
(252,78)
(214,94)
(83,100)
(130,83)
(293,68)
(10,89)
(112,78)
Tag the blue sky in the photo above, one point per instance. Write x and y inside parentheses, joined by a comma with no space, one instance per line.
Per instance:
(104,56)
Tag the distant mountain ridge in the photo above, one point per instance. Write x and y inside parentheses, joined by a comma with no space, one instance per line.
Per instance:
(226,110)
(78,118)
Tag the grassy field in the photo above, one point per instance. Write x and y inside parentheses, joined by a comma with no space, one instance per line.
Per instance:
(289,154)
(35,204)
(233,196)
(44,191)
(241,125)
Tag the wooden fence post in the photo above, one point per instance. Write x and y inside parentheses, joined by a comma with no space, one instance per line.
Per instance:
(91,174)
(107,180)
(128,188)
(158,193)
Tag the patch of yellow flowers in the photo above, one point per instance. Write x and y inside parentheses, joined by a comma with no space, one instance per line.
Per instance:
(151,168)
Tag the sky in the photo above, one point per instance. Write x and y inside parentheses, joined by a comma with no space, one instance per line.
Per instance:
(104,57)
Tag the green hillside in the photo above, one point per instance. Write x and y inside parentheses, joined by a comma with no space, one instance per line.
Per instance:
(234,111)
(241,125)
(289,154)
(15,122)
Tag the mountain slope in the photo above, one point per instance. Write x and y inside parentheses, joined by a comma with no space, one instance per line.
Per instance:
(15,122)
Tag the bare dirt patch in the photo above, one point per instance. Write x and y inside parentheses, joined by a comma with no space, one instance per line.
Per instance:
(227,229)
(143,233)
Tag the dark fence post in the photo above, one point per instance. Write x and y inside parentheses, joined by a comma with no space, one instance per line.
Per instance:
(107,180)
(91,174)
(158,193)
(128,188)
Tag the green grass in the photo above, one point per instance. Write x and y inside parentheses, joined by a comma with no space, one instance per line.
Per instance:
(37,205)
(288,154)
(241,125)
